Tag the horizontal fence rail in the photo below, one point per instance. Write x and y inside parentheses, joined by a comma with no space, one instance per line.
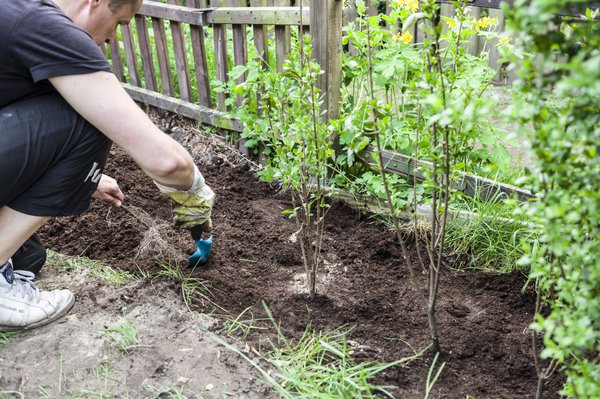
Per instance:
(225,15)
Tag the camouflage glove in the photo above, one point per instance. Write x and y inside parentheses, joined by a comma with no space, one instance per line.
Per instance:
(192,208)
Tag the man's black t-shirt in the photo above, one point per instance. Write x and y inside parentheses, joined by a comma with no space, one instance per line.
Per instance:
(38,41)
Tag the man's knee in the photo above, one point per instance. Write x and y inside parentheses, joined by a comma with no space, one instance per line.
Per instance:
(31,256)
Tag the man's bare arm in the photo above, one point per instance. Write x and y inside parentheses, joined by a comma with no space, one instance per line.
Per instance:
(101,100)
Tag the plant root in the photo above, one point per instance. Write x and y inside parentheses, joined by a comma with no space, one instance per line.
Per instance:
(157,239)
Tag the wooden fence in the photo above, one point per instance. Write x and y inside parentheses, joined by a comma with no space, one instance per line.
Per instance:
(182,46)
(178,63)
(168,35)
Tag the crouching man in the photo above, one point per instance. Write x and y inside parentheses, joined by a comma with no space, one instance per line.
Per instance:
(61,108)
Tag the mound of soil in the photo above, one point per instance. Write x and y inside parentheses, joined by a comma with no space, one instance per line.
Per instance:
(363,284)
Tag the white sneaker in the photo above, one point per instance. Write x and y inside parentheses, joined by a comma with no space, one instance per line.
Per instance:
(23,306)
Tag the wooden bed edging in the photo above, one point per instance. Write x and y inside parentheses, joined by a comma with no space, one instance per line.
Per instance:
(471,185)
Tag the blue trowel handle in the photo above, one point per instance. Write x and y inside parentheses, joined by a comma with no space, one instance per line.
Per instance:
(202,253)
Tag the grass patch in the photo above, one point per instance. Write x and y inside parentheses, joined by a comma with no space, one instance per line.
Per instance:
(433,375)
(241,325)
(492,239)
(97,269)
(195,291)
(123,335)
(5,337)
(486,236)
(319,366)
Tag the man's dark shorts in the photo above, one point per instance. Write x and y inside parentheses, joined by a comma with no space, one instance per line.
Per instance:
(51,159)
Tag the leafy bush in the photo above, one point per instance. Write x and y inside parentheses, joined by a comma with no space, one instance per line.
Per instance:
(285,117)
(559,99)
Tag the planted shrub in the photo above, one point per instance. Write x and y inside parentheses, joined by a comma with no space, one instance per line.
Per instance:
(427,100)
(286,119)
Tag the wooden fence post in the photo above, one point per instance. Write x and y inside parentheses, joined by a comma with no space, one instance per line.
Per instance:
(326,32)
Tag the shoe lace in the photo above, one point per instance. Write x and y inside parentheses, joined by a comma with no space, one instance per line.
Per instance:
(24,285)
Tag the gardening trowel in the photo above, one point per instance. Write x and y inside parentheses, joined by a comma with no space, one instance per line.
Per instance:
(203,246)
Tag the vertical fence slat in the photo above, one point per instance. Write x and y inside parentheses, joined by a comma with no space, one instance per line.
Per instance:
(372,8)
(162,54)
(240,57)
(388,10)
(181,65)
(260,35)
(240,45)
(494,60)
(199,54)
(282,38)
(262,50)
(116,60)
(146,52)
(201,63)
(130,56)
(446,10)
(352,17)
(474,44)
(222,64)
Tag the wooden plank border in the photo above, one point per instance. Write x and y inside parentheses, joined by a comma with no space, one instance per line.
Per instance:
(471,185)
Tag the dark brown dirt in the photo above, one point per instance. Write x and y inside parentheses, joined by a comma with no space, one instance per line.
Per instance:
(364,284)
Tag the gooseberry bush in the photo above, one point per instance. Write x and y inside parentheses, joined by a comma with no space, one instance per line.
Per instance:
(428,101)
(285,118)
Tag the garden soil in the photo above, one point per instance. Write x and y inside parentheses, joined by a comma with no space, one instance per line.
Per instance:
(362,285)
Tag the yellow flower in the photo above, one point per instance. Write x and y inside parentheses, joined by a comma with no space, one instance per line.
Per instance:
(504,39)
(406,37)
(485,22)
(451,23)
(412,5)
